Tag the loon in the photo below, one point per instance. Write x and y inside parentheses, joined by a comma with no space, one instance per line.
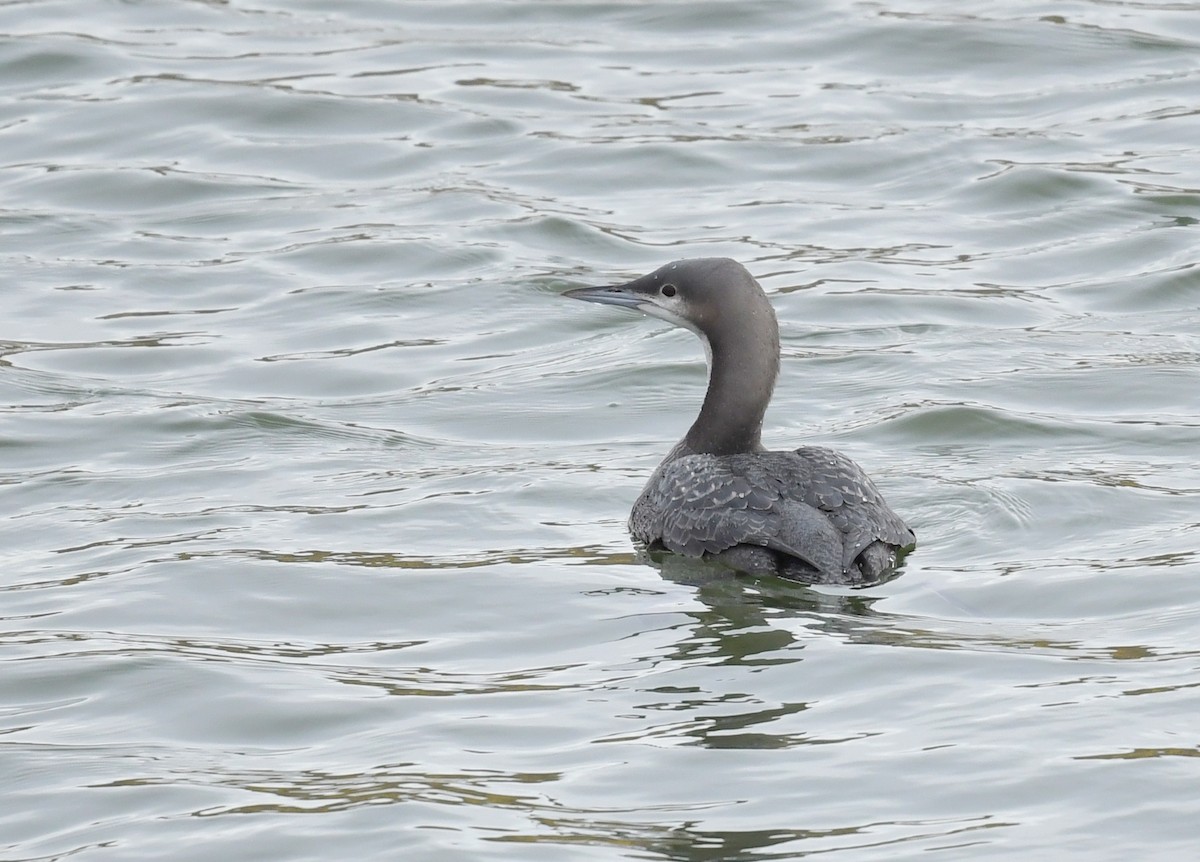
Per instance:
(809,515)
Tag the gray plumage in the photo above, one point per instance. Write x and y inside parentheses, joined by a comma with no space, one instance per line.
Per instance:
(811,514)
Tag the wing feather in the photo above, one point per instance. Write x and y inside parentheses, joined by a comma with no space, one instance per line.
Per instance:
(814,504)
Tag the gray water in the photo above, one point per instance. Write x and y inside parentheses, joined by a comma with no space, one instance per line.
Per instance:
(313,490)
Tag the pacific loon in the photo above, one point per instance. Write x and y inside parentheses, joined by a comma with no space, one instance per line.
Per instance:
(809,515)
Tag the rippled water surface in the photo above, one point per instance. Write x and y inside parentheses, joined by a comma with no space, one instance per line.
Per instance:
(313,490)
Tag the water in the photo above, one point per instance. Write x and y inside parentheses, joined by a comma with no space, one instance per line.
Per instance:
(314,491)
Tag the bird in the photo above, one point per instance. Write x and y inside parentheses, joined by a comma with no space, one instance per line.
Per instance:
(810,514)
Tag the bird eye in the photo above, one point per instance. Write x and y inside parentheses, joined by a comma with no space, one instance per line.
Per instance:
(667,290)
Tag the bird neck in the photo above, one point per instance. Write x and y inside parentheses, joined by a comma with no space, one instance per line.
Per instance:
(741,379)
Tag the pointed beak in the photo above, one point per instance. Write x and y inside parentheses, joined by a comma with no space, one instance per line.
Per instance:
(620,295)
